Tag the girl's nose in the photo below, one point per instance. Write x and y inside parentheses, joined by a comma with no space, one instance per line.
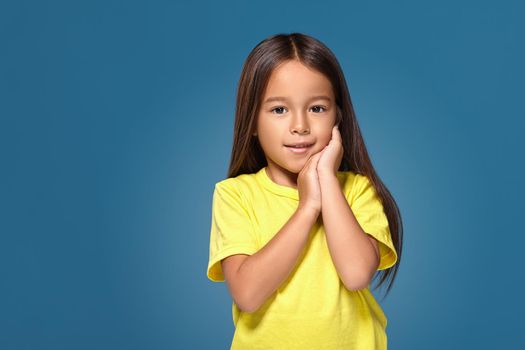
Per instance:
(300,124)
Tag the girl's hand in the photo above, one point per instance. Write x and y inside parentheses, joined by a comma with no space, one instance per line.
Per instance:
(332,155)
(308,185)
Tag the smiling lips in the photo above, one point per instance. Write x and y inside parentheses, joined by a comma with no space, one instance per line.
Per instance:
(300,147)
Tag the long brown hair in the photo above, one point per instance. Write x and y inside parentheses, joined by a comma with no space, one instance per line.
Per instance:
(247,155)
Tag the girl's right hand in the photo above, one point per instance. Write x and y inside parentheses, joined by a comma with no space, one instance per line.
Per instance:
(308,184)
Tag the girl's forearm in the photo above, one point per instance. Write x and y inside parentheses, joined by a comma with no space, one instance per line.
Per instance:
(354,256)
(263,272)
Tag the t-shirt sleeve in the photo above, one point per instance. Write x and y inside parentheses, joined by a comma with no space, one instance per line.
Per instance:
(368,210)
(231,229)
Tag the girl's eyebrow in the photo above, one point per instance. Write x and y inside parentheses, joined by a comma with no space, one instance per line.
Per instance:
(278,98)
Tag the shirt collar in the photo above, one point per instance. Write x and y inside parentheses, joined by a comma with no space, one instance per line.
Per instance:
(281,190)
(285,191)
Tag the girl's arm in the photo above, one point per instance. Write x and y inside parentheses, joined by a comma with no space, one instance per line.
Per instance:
(355,253)
(260,274)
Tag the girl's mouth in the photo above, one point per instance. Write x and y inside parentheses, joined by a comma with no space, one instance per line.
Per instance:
(299,150)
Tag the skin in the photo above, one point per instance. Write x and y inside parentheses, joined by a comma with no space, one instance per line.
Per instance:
(297,118)
(300,117)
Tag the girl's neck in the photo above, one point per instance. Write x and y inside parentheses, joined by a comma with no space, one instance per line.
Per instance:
(282,176)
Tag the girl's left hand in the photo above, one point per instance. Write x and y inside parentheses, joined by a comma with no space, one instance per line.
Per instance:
(332,155)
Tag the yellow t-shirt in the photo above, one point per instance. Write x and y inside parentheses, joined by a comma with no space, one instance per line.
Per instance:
(312,309)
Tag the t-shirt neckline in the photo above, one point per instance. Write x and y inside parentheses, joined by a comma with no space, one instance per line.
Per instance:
(274,187)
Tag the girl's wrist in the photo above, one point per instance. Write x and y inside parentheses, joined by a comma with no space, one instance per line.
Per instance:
(323,175)
(309,210)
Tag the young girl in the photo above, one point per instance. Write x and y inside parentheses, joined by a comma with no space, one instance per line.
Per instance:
(302,223)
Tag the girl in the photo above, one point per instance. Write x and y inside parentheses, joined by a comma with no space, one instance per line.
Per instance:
(302,223)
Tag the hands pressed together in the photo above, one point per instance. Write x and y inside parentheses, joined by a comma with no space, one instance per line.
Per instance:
(322,164)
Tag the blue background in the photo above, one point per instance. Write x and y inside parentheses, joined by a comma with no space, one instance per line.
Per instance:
(117,121)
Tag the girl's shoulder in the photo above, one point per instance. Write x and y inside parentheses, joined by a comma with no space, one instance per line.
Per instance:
(346,178)
(243,184)
(239,183)
(351,181)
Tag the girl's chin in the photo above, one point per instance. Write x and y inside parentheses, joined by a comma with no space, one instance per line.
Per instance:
(292,166)
(296,167)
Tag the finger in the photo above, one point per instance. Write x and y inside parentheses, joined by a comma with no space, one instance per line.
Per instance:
(337,133)
(306,165)
(318,157)
(315,157)
(312,166)
(312,161)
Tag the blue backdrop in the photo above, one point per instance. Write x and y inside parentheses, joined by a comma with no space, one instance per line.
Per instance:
(117,121)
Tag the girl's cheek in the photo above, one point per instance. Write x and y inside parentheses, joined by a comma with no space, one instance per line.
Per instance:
(326,139)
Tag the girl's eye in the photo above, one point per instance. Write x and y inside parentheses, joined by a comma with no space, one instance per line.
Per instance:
(280,108)
(324,109)
(276,109)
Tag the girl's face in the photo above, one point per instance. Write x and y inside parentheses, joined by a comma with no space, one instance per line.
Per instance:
(298,106)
